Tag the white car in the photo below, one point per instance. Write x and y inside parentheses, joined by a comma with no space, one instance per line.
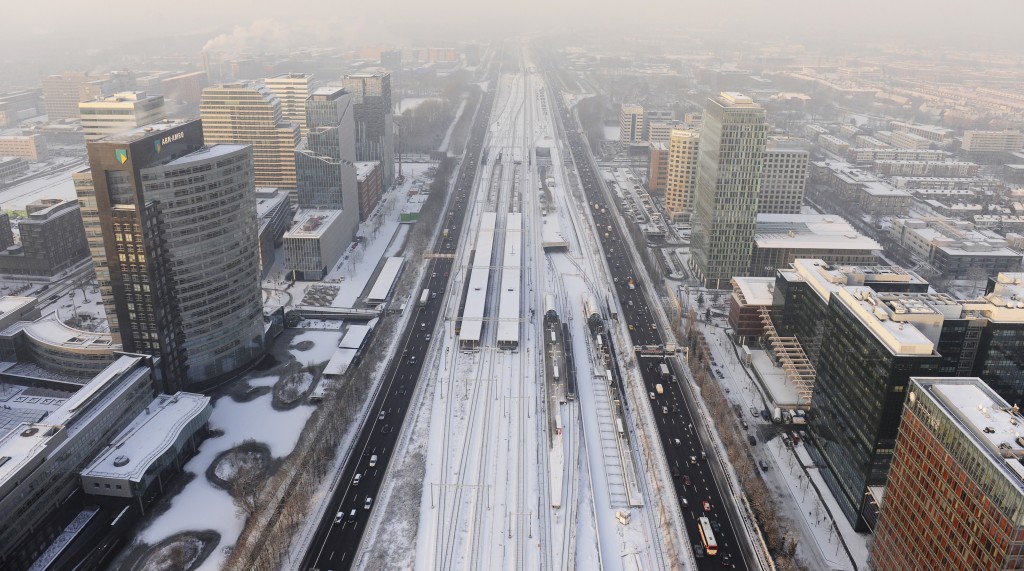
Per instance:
(373,460)
(368,503)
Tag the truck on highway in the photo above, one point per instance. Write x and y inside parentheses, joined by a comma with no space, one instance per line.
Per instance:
(444,234)
(424,297)
(659,388)
(664,370)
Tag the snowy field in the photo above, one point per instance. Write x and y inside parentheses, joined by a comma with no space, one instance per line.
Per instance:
(56,185)
(201,505)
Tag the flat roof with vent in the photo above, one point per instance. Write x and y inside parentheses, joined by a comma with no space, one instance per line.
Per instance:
(149,436)
(985,418)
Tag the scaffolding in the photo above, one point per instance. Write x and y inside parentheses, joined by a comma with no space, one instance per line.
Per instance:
(798,368)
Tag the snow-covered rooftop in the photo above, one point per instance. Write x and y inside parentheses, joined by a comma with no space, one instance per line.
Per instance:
(50,330)
(985,419)
(204,154)
(900,337)
(511,275)
(312,223)
(386,279)
(479,277)
(146,438)
(755,291)
(810,231)
(355,336)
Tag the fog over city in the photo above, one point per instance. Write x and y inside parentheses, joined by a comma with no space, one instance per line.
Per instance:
(558,285)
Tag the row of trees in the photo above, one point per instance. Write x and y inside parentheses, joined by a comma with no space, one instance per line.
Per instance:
(778,534)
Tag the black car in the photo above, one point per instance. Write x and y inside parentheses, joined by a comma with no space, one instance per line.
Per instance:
(698,551)
(675,472)
(751,440)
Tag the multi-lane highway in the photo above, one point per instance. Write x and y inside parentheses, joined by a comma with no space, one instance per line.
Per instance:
(337,538)
(697,484)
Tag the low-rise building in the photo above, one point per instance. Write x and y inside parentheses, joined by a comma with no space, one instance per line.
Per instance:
(40,487)
(749,296)
(152,448)
(314,244)
(949,169)
(52,241)
(989,142)
(370,182)
(48,347)
(781,239)
(11,168)
(32,148)
(955,248)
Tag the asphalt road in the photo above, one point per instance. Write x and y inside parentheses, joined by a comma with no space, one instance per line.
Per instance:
(338,536)
(696,482)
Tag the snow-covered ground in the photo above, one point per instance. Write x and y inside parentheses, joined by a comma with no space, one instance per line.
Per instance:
(203,506)
(55,185)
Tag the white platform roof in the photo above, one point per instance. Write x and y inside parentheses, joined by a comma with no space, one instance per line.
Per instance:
(479,276)
(511,281)
(386,279)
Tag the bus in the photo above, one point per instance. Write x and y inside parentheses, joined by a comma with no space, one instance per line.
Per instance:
(707,537)
(555,367)
(608,375)
(424,297)
(619,427)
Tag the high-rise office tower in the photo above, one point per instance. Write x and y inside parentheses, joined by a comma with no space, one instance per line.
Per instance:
(173,230)
(292,89)
(249,113)
(729,164)
(955,493)
(374,120)
(784,176)
(874,345)
(119,112)
(681,177)
(325,160)
(631,124)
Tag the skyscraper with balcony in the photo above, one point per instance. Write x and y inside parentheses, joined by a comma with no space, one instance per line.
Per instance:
(374,120)
(729,165)
(955,495)
(172,227)
(250,113)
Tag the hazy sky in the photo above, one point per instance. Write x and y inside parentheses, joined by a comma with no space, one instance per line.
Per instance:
(90,24)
